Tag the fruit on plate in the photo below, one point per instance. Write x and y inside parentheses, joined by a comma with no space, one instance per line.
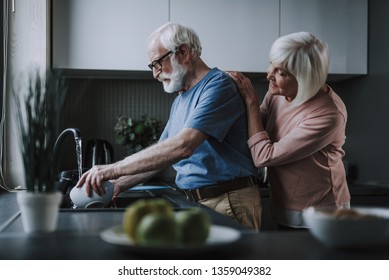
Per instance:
(193,225)
(157,229)
(152,222)
(140,208)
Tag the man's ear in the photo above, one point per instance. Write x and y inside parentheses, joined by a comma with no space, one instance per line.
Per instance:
(183,49)
(184,52)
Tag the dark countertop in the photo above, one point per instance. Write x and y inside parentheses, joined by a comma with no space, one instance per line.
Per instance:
(77,237)
(8,206)
(88,246)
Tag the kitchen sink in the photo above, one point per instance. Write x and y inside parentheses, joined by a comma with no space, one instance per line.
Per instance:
(174,197)
(130,197)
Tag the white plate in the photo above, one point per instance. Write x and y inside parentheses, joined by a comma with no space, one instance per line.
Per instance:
(219,236)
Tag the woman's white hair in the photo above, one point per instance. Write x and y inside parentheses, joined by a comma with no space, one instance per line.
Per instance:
(306,57)
(172,35)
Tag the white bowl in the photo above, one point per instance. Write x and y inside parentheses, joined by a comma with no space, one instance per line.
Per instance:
(80,198)
(349,231)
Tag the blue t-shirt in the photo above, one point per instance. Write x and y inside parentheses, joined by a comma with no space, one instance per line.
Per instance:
(215,107)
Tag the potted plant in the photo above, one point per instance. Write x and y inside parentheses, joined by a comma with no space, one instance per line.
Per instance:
(137,134)
(38,113)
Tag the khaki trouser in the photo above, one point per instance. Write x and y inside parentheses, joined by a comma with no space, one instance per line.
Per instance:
(243,205)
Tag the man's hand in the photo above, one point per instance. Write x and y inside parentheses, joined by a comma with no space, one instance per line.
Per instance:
(94,177)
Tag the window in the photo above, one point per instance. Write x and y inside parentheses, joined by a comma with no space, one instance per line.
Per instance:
(3,16)
(2,56)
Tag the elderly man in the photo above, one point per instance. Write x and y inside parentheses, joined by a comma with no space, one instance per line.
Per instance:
(205,138)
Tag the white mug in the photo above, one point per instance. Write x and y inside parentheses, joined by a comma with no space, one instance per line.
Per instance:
(80,198)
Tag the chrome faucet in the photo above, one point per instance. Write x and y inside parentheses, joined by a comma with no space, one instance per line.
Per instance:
(57,148)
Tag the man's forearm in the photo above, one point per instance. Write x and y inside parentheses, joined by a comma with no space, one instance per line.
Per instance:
(126,182)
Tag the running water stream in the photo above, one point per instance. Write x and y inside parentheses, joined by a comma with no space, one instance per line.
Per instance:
(79,155)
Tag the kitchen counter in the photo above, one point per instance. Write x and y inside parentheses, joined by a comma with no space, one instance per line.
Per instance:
(77,237)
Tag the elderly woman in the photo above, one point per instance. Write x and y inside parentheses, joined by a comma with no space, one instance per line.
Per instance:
(298,130)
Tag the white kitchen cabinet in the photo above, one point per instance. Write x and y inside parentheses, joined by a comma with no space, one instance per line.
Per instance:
(235,35)
(104,35)
(341,23)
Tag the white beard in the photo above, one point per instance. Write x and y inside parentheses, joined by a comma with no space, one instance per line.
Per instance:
(176,78)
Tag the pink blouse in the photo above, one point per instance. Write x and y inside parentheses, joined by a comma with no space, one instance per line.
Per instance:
(302,148)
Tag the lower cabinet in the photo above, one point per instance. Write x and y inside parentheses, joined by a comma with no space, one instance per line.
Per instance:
(370,200)
(361,196)
(268,223)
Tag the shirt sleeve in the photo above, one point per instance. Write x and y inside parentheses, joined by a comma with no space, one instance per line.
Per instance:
(219,106)
(316,131)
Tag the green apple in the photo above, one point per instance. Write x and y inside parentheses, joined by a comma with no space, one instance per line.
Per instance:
(140,208)
(157,229)
(194,225)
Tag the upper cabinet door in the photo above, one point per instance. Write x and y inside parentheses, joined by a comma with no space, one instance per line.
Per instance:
(341,23)
(235,35)
(104,35)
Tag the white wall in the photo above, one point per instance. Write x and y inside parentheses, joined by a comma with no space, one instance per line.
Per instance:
(27,47)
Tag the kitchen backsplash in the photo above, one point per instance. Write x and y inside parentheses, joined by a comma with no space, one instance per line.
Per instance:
(93,106)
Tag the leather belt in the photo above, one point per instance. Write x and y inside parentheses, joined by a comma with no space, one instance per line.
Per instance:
(220,188)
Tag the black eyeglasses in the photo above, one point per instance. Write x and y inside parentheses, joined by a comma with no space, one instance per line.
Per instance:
(156,64)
